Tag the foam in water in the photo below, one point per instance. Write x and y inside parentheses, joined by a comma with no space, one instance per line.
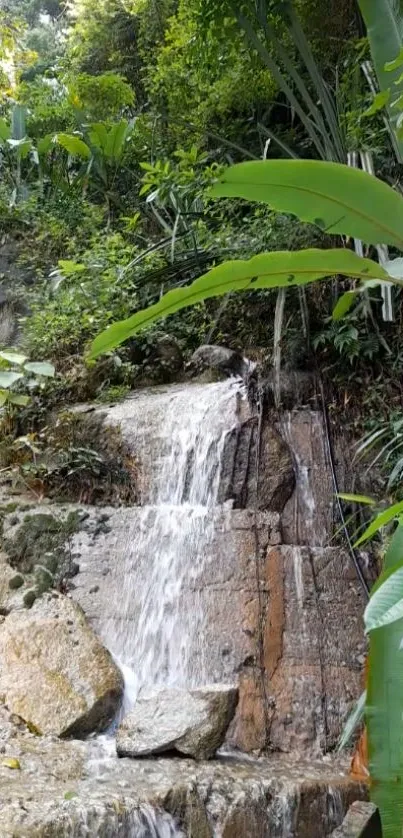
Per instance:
(157,635)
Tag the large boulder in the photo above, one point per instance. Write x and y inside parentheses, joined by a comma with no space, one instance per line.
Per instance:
(225,362)
(54,672)
(191,722)
(362,821)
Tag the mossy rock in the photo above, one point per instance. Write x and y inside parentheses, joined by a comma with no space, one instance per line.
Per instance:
(16,582)
(29,598)
(41,541)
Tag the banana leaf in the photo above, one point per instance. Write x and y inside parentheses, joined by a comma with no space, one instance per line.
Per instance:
(280,269)
(384,710)
(384,22)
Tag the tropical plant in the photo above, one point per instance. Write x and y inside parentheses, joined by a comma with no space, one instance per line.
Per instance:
(384,22)
(18,374)
(383,446)
(15,147)
(101,147)
(335,198)
(99,98)
(174,192)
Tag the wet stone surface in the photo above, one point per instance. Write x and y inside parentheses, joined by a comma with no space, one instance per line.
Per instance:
(362,821)
(65,788)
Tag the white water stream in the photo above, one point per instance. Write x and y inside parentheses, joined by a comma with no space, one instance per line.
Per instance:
(157,633)
(148,823)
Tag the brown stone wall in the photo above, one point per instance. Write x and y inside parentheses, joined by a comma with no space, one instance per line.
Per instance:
(283,608)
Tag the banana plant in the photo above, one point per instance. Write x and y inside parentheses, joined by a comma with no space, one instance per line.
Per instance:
(338,199)
(383,707)
(101,147)
(384,23)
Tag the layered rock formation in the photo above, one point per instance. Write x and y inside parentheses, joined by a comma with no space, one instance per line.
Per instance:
(281,618)
(298,646)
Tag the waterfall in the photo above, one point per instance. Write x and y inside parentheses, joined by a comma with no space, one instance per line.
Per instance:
(156,634)
(148,823)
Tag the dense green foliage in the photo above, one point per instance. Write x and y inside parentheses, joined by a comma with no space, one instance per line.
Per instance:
(115,123)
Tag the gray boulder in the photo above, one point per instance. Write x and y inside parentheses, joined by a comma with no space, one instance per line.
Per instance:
(54,672)
(191,722)
(221,360)
(362,821)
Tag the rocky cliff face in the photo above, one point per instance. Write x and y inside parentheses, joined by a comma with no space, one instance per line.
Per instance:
(277,609)
(283,605)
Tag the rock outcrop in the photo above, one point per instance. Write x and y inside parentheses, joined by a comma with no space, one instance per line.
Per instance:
(54,672)
(219,359)
(362,821)
(191,722)
(282,610)
(56,792)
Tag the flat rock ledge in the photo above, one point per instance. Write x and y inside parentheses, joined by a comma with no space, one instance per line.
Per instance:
(191,722)
(54,673)
(53,788)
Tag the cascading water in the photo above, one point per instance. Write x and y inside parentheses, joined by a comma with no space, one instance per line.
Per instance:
(157,633)
(148,823)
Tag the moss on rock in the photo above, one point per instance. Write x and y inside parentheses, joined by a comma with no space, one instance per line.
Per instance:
(40,545)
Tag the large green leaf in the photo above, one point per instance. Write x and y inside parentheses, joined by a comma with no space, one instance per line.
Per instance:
(44,144)
(386,603)
(116,140)
(74,145)
(384,725)
(394,553)
(380,521)
(98,135)
(18,399)
(18,122)
(384,708)
(21,147)
(267,270)
(13,357)
(40,368)
(7,379)
(337,198)
(384,22)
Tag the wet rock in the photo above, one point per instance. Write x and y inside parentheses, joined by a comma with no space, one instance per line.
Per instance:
(162,360)
(297,389)
(54,672)
(362,821)
(276,481)
(69,788)
(224,361)
(191,722)
(168,354)
(186,806)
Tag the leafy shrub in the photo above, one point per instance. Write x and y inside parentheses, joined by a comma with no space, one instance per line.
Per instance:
(101,97)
